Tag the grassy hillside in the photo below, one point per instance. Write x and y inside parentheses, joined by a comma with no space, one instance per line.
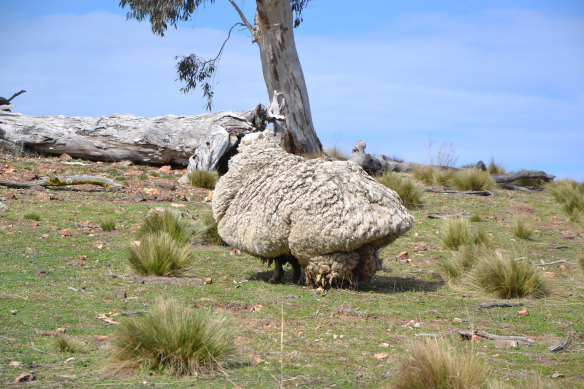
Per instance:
(62,266)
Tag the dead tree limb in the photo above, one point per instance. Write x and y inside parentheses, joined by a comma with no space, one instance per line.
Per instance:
(498,304)
(486,335)
(470,192)
(555,262)
(556,348)
(54,180)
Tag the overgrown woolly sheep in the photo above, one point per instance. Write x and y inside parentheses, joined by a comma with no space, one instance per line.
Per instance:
(328,217)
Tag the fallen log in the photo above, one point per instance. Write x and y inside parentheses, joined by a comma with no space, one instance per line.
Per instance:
(54,180)
(380,164)
(161,140)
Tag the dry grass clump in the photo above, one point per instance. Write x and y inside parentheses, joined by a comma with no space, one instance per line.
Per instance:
(64,344)
(436,364)
(522,230)
(206,228)
(457,232)
(471,179)
(336,153)
(459,262)
(157,253)
(173,338)
(493,168)
(108,225)
(581,262)
(431,175)
(570,195)
(203,178)
(169,222)
(507,278)
(410,193)
(32,216)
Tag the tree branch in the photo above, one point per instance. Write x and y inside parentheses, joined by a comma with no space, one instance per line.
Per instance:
(244,20)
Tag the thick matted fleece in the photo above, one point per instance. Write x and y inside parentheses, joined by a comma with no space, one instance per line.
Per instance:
(331,216)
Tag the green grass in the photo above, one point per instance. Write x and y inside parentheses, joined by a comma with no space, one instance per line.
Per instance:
(410,192)
(432,176)
(475,218)
(175,339)
(457,232)
(471,179)
(32,216)
(203,178)
(507,278)
(436,364)
(522,230)
(570,195)
(286,334)
(206,228)
(458,263)
(157,253)
(108,225)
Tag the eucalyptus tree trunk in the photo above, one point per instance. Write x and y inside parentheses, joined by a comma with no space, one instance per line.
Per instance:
(283,75)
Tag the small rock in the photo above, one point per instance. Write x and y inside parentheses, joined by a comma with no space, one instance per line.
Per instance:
(41,272)
(139,280)
(165,184)
(25,377)
(386,345)
(164,169)
(557,375)
(567,234)
(403,256)
(15,364)
(380,356)
(45,236)
(13,312)
(208,280)
(523,312)
(61,330)
(319,291)
(101,338)
(506,344)
(43,196)
(457,320)
(31,250)
(344,308)
(121,294)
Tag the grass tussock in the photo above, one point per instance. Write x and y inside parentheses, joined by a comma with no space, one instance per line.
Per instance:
(433,176)
(436,364)
(457,233)
(581,262)
(108,225)
(459,262)
(203,178)
(168,222)
(206,229)
(507,278)
(32,216)
(522,230)
(410,193)
(336,153)
(570,195)
(157,253)
(66,345)
(475,218)
(174,339)
(494,168)
(471,179)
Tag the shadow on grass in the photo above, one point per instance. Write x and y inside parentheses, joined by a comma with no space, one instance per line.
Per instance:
(379,284)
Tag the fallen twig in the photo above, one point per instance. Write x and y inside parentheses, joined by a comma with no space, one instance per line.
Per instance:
(499,304)
(555,262)
(556,348)
(139,312)
(431,335)
(457,216)
(471,192)
(486,335)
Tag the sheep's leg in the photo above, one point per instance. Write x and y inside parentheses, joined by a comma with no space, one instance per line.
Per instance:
(278,271)
(296,272)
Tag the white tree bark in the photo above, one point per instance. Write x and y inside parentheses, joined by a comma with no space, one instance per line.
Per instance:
(283,75)
(160,140)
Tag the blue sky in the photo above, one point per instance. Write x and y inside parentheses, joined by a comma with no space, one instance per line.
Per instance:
(484,79)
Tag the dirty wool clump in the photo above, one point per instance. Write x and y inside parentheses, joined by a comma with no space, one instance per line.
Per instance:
(328,217)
